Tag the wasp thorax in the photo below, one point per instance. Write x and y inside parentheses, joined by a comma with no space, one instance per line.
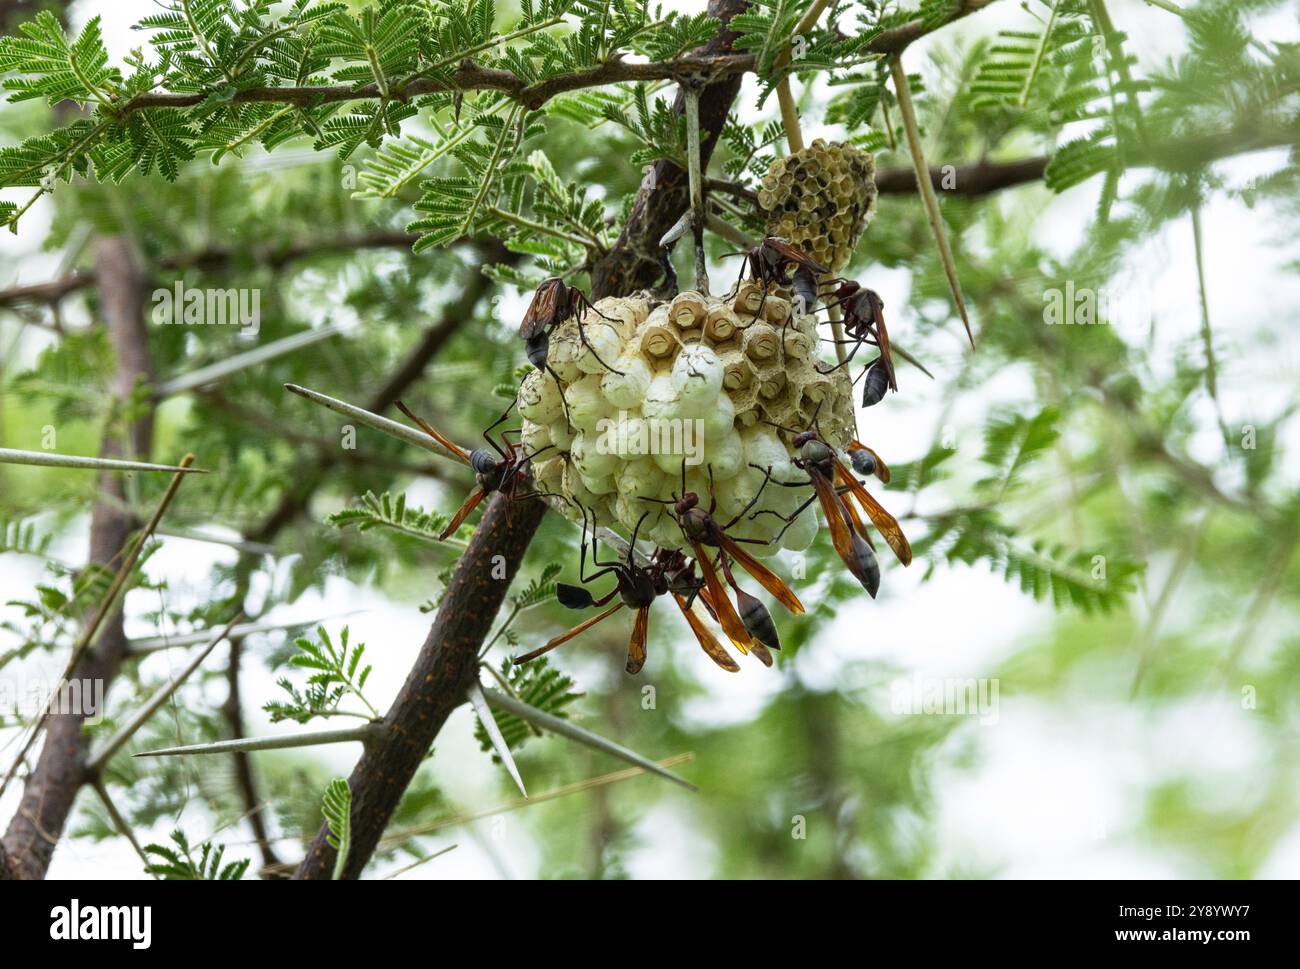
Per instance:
(636,587)
(483,461)
(815,452)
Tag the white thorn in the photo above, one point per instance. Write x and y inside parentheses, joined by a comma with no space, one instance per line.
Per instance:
(494,734)
(565,728)
(48,459)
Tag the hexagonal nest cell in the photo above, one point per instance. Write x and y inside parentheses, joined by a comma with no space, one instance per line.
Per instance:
(821,199)
(694,383)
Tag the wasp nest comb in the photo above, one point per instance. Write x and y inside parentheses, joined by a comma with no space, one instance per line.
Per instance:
(821,199)
(698,383)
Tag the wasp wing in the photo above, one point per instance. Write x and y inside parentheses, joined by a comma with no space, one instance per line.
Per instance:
(858,525)
(833,511)
(472,502)
(719,603)
(708,642)
(796,255)
(882,340)
(764,576)
(636,645)
(542,311)
(883,520)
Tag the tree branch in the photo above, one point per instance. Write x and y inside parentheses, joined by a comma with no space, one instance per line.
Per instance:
(716,63)
(437,683)
(968,181)
(274,255)
(60,771)
(294,502)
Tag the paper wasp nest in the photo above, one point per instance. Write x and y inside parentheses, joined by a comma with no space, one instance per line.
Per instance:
(699,378)
(821,199)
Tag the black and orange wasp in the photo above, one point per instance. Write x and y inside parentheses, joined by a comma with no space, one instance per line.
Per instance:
(702,531)
(668,572)
(501,468)
(836,488)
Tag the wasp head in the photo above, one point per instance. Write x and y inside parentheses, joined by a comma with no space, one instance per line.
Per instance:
(847,289)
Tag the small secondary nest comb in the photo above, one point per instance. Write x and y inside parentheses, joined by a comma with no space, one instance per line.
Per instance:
(821,199)
(699,378)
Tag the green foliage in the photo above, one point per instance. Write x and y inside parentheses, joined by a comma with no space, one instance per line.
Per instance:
(1012,443)
(180,864)
(52,67)
(766,29)
(386,512)
(1046,571)
(1101,461)
(336,806)
(20,536)
(538,684)
(455,205)
(339,674)
(1014,64)
(540,589)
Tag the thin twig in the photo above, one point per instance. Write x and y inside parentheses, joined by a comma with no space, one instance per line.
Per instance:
(95,763)
(912,127)
(92,628)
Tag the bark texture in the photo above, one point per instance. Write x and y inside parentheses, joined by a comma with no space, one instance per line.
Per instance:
(52,785)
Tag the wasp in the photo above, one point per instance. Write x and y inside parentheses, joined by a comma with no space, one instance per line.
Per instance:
(499,467)
(772,261)
(836,489)
(751,624)
(864,322)
(637,587)
(553,303)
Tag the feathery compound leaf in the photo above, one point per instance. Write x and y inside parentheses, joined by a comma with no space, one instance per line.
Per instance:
(766,28)
(383,41)
(661,131)
(42,160)
(336,806)
(54,69)
(674,35)
(541,589)
(1046,572)
(179,863)
(1012,443)
(19,536)
(387,512)
(338,674)
(456,205)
